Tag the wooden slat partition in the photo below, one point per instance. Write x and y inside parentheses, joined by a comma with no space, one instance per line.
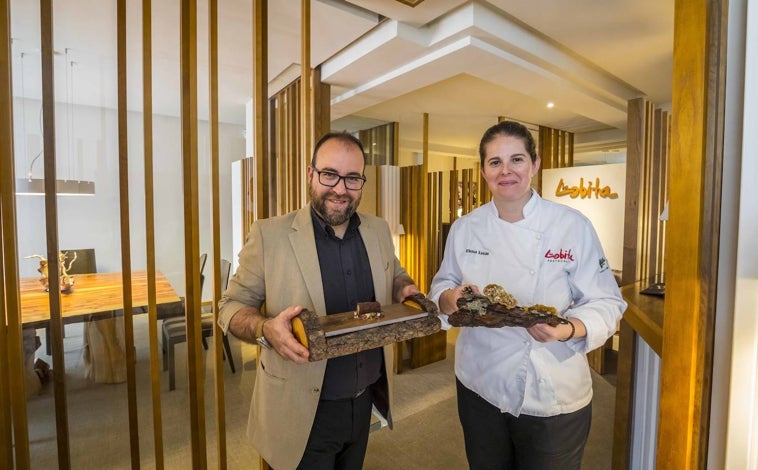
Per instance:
(287,186)
(152,303)
(556,149)
(419,254)
(218,334)
(648,131)
(126,258)
(13,418)
(647,191)
(51,236)
(191,230)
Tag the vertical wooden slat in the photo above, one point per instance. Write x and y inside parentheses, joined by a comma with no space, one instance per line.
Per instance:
(424,219)
(191,231)
(623,417)
(51,236)
(218,369)
(570,161)
(305,77)
(634,154)
(321,110)
(152,308)
(126,259)
(12,397)
(6,428)
(260,103)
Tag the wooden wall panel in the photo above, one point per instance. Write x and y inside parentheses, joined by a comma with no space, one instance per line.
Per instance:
(556,150)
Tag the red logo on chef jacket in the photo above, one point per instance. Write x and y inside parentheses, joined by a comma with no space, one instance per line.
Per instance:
(560,256)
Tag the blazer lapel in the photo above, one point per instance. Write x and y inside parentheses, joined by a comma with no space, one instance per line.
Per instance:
(304,246)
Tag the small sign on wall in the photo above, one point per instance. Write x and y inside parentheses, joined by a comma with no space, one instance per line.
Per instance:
(598,192)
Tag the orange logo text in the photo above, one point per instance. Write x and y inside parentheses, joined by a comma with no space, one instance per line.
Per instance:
(583,191)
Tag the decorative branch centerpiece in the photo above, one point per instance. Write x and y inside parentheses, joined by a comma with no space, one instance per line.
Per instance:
(65,280)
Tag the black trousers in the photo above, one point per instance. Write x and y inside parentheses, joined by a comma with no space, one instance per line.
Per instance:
(500,441)
(339,435)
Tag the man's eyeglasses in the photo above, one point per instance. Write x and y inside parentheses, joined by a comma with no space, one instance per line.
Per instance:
(331,179)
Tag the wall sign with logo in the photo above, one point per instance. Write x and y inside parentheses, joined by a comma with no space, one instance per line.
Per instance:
(583,191)
(597,191)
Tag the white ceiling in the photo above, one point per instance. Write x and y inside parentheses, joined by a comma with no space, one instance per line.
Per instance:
(463,62)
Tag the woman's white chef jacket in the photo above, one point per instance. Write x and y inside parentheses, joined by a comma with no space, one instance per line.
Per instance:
(551,257)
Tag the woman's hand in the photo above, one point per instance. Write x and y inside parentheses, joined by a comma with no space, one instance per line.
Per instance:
(545,333)
(448,299)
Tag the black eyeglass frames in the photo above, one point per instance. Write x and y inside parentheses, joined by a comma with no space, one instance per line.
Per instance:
(331,179)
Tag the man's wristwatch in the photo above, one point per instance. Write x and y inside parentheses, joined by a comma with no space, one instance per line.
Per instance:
(259,338)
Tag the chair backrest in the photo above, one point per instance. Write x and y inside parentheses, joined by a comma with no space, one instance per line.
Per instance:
(203,259)
(85,261)
(226,268)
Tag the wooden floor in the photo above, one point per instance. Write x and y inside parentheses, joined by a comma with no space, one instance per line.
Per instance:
(427,433)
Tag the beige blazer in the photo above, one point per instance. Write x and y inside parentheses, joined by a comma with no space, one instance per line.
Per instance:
(279,266)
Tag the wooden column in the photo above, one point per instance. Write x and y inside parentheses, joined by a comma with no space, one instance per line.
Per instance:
(692,241)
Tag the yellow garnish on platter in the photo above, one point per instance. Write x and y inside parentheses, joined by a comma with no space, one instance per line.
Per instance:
(498,295)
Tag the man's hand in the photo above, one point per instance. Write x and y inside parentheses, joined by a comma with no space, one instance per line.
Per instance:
(278,333)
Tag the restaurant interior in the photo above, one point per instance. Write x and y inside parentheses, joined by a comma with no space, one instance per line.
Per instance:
(142,139)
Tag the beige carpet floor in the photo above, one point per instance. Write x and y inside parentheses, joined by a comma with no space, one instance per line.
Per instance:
(427,433)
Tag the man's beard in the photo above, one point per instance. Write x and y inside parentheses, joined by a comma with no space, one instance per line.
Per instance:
(333,217)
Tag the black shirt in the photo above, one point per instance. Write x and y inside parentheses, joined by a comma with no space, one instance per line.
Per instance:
(347,280)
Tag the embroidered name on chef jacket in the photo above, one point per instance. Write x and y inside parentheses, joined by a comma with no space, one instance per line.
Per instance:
(477,252)
(561,256)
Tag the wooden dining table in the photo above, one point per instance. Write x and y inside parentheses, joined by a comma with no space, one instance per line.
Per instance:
(95,293)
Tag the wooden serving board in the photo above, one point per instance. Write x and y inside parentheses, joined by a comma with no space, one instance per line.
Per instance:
(341,323)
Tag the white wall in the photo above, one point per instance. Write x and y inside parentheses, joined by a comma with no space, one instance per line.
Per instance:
(736,343)
(607,215)
(93,222)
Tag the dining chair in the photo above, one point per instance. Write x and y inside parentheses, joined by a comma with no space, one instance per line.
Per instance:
(175,331)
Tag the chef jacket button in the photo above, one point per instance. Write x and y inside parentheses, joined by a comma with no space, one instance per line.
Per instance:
(531,272)
(539,236)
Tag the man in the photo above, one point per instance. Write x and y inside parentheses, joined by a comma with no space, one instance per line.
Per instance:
(325,258)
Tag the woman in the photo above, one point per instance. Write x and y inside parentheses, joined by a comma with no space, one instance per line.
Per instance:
(524,395)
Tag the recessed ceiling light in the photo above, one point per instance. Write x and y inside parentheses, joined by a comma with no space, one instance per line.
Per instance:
(550,104)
